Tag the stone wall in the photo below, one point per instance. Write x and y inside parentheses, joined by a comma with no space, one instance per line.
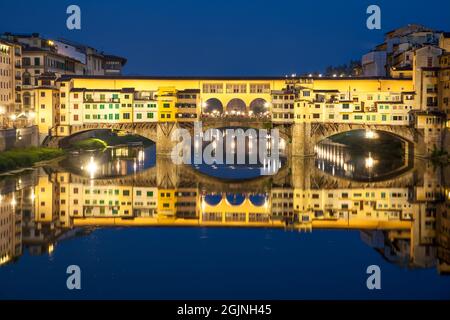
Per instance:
(19,138)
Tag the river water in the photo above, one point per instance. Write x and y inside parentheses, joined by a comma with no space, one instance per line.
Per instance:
(139,226)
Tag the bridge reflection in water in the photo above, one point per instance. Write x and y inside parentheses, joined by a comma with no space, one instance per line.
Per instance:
(404,217)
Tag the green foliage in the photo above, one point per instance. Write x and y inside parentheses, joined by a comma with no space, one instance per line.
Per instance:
(21,158)
(90,144)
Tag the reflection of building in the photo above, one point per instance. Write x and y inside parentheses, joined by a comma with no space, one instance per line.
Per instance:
(10,229)
(408,226)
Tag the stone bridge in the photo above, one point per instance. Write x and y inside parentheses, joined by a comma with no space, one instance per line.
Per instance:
(300,138)
(307,135)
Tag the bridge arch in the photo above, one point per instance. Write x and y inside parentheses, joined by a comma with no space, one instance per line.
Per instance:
(368,134)
(236,105)
(94,132)
(211,105)
(258,106)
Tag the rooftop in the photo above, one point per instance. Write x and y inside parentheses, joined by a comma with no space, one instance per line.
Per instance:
(225,78)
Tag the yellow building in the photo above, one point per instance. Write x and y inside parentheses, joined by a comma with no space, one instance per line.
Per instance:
(166,97)
(47,105)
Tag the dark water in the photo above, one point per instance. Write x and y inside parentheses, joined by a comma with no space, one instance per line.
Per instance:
(149,229)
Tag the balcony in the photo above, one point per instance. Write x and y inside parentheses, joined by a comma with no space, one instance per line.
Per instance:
(18,77)
(434,90)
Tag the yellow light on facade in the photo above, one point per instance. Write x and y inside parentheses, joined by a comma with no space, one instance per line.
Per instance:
(50,42)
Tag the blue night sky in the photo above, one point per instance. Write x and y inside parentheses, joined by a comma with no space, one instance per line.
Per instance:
(233,37)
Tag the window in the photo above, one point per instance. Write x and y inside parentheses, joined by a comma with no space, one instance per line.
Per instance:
(149,115)
(260,88)
(236,88)
(345,117)
(213,88)
(139,116)
(37,61)
(126,116)
(75,117)
(42,94)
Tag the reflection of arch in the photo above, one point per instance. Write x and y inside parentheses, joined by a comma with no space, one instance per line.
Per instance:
(236,104)
(213,104)
(235,199)
(257,199)
(213,199)
(258,106)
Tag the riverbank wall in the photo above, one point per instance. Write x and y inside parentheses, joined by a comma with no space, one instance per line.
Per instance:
(19,138)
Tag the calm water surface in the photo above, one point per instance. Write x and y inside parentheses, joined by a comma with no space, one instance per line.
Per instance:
(140,227)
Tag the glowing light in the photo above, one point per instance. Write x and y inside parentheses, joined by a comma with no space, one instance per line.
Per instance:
(51,248)
(91,168)
(33,196)
(141,155)
(370,134)
(5,259)
(369,161)
(13,202)
(13,117)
